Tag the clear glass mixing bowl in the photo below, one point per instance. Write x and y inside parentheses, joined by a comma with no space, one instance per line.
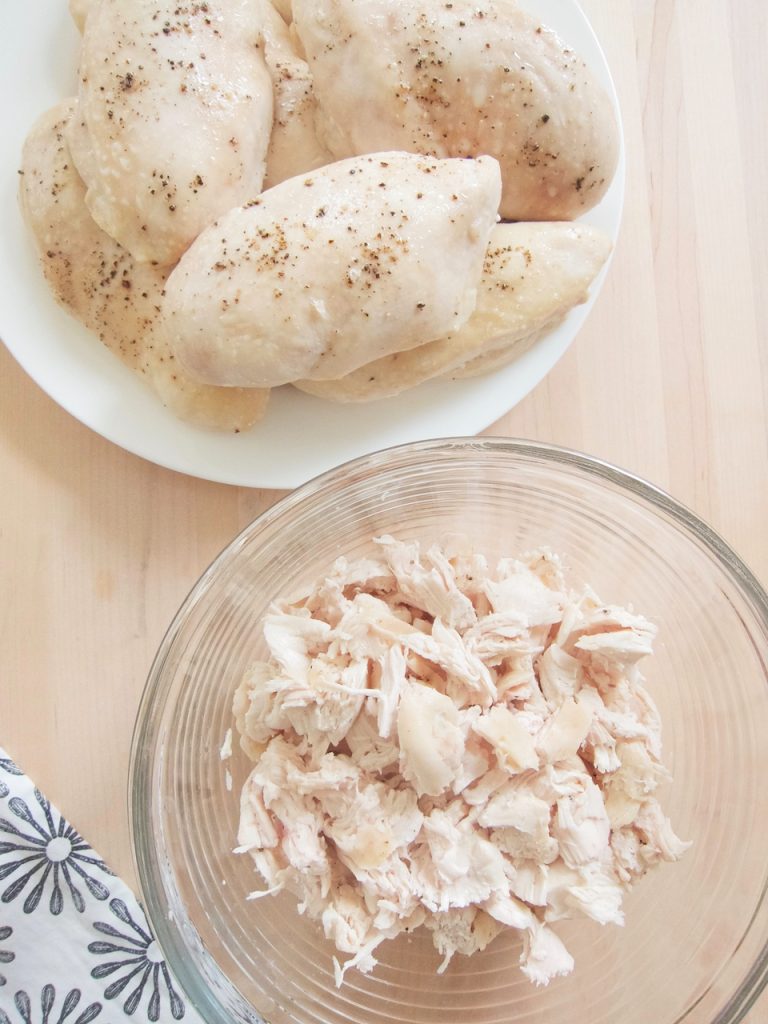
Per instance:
(695,945)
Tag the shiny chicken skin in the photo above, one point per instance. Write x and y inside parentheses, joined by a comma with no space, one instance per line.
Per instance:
(462,79)
(533,274)
(103,287)
(326,272)
(173,119)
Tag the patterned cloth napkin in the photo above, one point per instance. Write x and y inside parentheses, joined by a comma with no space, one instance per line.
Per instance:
(75,945)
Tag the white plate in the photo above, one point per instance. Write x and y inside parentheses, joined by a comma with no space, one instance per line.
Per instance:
(301,436)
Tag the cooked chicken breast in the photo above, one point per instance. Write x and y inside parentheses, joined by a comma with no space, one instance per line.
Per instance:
(294,147)
(173,118)
(533,274)
(103,287)
(326,272)
(455,79)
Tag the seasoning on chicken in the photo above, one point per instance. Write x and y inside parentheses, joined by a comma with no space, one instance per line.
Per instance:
(173,118)
(440,742)
(98,281)
(328,271)
(460,79)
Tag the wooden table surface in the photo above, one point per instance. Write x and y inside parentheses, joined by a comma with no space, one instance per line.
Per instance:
(668,379)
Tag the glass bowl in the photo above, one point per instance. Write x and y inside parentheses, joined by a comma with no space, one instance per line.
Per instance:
(695,944)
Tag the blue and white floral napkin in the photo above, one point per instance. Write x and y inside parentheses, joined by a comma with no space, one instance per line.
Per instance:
(75,945)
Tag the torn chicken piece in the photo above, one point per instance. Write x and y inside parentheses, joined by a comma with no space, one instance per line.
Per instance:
(581,825)
(432,589)
(464,931)
(510,741)
(520,590)
(430,737)
(544,956)
(440,743)
(520,821)
(563,734)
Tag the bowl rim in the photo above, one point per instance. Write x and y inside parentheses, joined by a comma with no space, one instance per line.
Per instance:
(144,855)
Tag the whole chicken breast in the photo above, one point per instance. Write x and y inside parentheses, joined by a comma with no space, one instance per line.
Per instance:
(173,118)
(461,79)
(533,274)
(326,272)
(103,287)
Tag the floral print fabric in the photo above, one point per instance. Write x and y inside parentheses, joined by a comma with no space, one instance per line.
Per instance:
(75,945)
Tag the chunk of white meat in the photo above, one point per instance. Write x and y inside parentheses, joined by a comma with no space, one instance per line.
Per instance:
(457,866)
(368,750)
(522,592)
(510,741)
(390,895)
(590,892)
(657,835)
(374,824)
(469,680)
(258,714)
(431,587)
(533,274)
(516,680)
(564,732)
(325,777)
(430,737)
(628,864)
(294,147)
(453,80)
(332,595)
(368,628)
(326,272)
(509,911)
(477,759)
(257,830)
(99,283)
(528,881)
(581,826)
(390,686)
(599,745)
(293,640)
(519,823)
(324,707)
(297,820)
(558,674)
(544,956)
(173,119)
(609,642)
(547,565)
(497,636)
(346,920)
(464,930)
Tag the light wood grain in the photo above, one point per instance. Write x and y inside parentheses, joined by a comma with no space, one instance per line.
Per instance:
(668,379)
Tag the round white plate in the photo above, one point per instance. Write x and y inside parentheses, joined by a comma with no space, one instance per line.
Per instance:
(301,435)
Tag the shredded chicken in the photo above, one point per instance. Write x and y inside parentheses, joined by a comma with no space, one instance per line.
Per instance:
(438,741)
